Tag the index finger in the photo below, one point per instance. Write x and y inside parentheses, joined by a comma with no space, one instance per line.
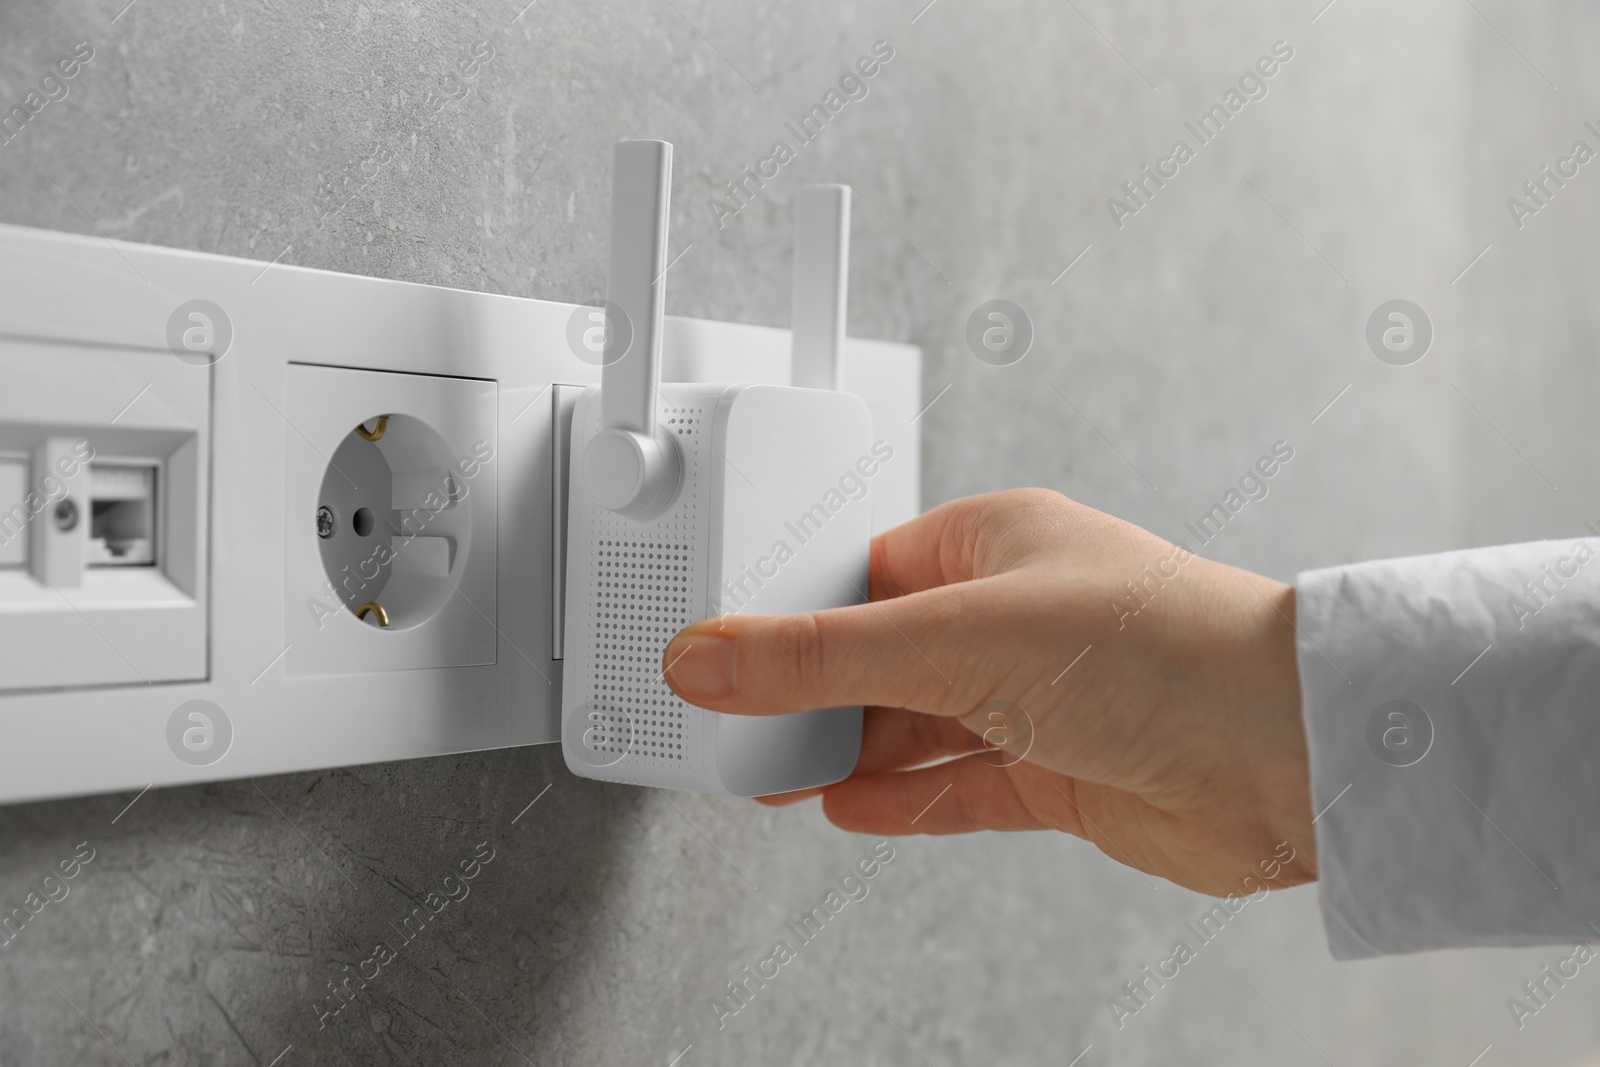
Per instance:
(903,652)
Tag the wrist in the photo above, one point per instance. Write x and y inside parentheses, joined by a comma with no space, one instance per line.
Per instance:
(1284,777)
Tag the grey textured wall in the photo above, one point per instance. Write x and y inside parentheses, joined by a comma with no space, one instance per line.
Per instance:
(1222,317)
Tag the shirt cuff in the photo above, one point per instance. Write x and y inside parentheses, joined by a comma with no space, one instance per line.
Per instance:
(1452,713)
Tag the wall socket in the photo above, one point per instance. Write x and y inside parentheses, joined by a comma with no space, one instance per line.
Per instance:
(390,515)
(196,414)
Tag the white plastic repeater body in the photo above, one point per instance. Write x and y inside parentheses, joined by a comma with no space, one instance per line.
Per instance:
(688,501)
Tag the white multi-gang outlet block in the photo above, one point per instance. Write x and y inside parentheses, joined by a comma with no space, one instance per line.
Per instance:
(212,398)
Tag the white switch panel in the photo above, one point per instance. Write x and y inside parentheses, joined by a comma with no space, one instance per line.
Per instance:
(200,412)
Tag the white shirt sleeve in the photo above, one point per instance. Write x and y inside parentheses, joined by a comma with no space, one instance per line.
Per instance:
(1452,709)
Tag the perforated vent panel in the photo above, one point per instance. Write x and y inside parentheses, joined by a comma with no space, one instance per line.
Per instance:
(645,584)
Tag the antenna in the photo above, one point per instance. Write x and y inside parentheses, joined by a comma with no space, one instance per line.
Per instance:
(821,284)
(630,467)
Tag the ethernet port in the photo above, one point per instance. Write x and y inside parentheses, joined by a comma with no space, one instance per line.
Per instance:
(122,514)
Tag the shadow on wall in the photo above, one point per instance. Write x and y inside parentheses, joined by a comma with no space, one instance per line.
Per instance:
(372,914)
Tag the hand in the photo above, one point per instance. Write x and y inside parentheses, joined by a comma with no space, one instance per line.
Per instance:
(1174,743)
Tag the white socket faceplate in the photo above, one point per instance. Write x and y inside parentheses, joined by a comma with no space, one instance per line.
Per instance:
(89,323)
(322,406)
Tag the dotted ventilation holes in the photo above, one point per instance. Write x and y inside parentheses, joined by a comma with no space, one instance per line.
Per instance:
(643,592)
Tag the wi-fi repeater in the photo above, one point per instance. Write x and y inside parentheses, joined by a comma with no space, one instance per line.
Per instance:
(688,501)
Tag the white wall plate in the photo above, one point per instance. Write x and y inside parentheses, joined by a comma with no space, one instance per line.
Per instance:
(98,343)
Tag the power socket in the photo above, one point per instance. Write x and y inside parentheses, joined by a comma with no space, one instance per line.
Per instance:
(689,501)
(390,521)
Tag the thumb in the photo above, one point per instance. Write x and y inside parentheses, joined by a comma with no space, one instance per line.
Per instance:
(896,653)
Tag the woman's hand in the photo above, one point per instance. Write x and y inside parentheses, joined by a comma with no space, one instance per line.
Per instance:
(1030,663)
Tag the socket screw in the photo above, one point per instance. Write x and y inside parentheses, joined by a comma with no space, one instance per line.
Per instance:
(66,515)
(325,522)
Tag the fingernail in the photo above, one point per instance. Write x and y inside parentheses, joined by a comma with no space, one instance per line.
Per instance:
(701,666)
